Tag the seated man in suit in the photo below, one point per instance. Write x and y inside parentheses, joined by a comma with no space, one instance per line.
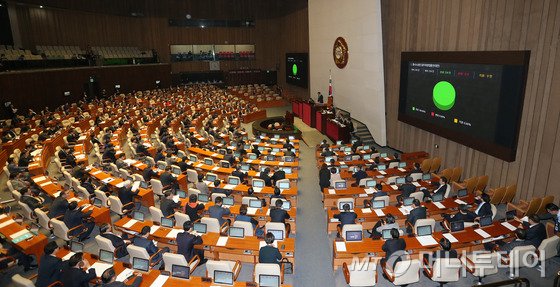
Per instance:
(109,277)
(13,168)
(193,209)
(184,165)
(18,181)
(125,193)
(269,253)
(324,144)
(159,155)
(218,212)
(246,218)
(345,217)
(50,266)
(359,175)
(277,193)
(237,172)
(394,248)
(443,187)
(142,241)
(520,240)
(218,189)
(327,152)
(406,189)
(388,223)
(149,173)
(73,275)
(324,177)
(59,206)
(464,214)
(264,176)
(484,207)
(278,175)
(277,214)
(28,198)
(418,212)
(186,242)
(536,232)
(119,243)
(552,214)
(446,251)
(416,168)
(75,217)
(167,205)
(168,180)
(229,157)
(201,185)
(289,152)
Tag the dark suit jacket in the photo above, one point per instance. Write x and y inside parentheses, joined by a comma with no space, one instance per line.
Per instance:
(145,243)
(166,178)
(269,254)
(75,277)
(137,281)
(486,209)
(239,174)
(168,206)
(31,202)
(266,178)
(186,243)
(118,243)
(515,243)
(278,175)
(359,175)
(324,178)
(49,270)
(192,212)
(415,214)
(148,174)
(441,190)
(58,207)
(73,218)
(346,218)
(393,245)
(278,215)
(467,217)
(536,234)
(407,189)
(126,195)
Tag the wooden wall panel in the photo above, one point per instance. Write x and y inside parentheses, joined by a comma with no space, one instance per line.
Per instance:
(460,25)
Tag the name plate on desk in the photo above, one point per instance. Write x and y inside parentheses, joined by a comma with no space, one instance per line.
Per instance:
(222,241)
(340,246)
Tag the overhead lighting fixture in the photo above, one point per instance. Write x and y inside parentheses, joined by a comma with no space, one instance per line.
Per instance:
(202,26)
(41,6)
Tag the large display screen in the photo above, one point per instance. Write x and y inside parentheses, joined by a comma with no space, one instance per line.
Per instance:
(472,98)
(297,69)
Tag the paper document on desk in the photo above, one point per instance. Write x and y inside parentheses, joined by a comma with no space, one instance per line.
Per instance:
(458,201)
(120,185)
(379,212)
(382,172)
(214,155)
(405,210)
(332,191)
(416,184)
(74,199)
(41,178)
(426,240)
(2,216)
(45,184)
(56,194)
(482,233)
(107,180)
(262,244)
(130,223)
(6,223)
(249,161)
(340,246)
(229,186)
(509,226)
(257,189)
(439,205)
(67,256)
(342,163)
(450,237)
(19,233)
(369,190)
(96,172)
(160,280)
(176,198)
(366,210)
(216,168)
(124,275)
(173,233)
(222,241)
(154,228)
(100,267)
(251,210)
(335,220)
(402,169)
(394,186)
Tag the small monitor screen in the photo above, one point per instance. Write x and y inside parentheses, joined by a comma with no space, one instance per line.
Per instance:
(269,280)
(340,185)
(286,205)
(328,158)
(200,227)
(424,230)
(400,180)
(258,183)
(383,154)
(347,149)
(180,271)
(245,167)
(246,146)
(354,235)
(287,170)
(462,192)
(348,158)
(255,203)
(224,164)
(144,184)
(161,165)
(140,264)
(167,222)
(371,183)
(284,185)
(485,220)
(289,159)
(181,194)
(457,226)
(202,197)
(97,202)
(211,177)
(208,161)
(342,203)
(366,147)
(176,170)
(261,148)
(402,164)
(270,157)
(233,180)
(381,167)
(193,158)
(223,277)
(386,234)
(228,201)
(278,234)
(510,214)
(76,246)
(338,142)
(367,156)
(138,215)
(222,151)
(408,201)
(437,197)
(426,176)
(106,256)
(253,156)
(375,204)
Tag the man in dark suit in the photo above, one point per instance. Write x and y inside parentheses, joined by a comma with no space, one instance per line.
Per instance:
(359,174)
(277,214)
(269,253)
(264,176)
(143,241)
(407,189)
(109,154)
(149,173)
(416,168)
(418,212)
(536,232)
(484,207)
(327,152)
(394,248)
(324,177)
(183,165)
(237,172)
(193,209)
(109,278)
(74,217)
(552,214)
(120,244)
(464,214)
(159,155)
(520,240)
(167,179)
(59,206)
(50,266)
(73,275)
(445,252)
(125,193)
(31,201)
(167,205)
(218,212)
(345,217)
(186,242)
(278,175)
(443,187)
(229,157)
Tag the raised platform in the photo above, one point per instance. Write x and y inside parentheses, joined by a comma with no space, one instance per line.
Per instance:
(261,127)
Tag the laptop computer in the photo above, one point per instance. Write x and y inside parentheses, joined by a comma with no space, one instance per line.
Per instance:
(437,197)
(167,222)
(342,203)
(354,235)
(223,277)
(222,151)
(381,167)
(224,164)
(227,201)
(371,183)
(511,214)
(180,271)
(383,154)
(286,205)
(176,171)
(386,234)
(106,256)
(278,234)
(284,185)
(457,226)
(376,204)
(287,170)
(202,197)
(366,156)
(255,203)
(257,183)
(340,184)
(424,230)
(402,164)
(208,161)
(138,215)
(408,201)
(462,192)
(181,194)
(289,159)
(269,280)
(144,184)
(426,176)
(200,228)
(400,180)
(270,157)
(485,220)
(76,246)
(140,264)
(210,177)
(244,167)
(161,166)
(237,232)
(253,156)
(97,202)
(233,180)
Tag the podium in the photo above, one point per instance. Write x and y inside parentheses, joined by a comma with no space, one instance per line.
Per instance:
(297,107)
(308,114)
(321,121)
(337,133)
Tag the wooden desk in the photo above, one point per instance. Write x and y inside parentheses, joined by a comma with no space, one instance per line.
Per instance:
(146,195)
(32,246)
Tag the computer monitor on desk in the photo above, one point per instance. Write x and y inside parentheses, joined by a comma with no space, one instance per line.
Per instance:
(180,271)
(340,184)
(140,264)
(223,277)
(200,228)
(424,230)
(269,280)
(354,235)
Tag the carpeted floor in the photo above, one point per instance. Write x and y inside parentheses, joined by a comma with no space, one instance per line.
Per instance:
(313,245)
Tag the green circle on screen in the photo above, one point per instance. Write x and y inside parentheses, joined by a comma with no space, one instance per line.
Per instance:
(294,69)
(444,95)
